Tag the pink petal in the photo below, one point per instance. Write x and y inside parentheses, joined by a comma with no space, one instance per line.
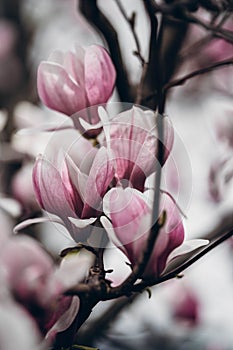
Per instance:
(58,90)
(100,75)
(74,65)
(130,218)
(134,144)
(101,174)
(29,263)
(133,137)
(50,189)
(65,320)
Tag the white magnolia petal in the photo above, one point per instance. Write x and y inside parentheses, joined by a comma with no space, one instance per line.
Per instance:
(104,118)
(82,223)
(33,221)
(187,247)
(110,231)
(183,253)
(74,269)
(78,178)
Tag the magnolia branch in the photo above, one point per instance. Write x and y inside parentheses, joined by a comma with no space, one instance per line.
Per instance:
(182,80)
(194,48)
(178,11)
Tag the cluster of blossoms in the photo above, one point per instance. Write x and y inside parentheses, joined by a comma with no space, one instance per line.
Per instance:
(106,185)
(103,184)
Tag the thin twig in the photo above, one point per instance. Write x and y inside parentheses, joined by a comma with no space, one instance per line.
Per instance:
(182,80)
(176,12)
(225,34)
(131,23)
(194,48)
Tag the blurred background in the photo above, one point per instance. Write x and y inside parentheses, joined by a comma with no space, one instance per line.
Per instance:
(195,312)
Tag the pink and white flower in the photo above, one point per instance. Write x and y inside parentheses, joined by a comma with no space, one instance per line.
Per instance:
(132,137)
(74,197)
(71,82)
(39,286)
(130,213)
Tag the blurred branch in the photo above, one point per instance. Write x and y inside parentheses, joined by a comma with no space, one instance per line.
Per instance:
(93,14)
(194,48)
(99,326)
(182,80)
(225,34)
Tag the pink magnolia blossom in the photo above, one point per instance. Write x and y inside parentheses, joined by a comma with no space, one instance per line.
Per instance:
(186,307)
(130,213)
(74,197)
(73,190)
(132,138)
(71,82)
(38,285)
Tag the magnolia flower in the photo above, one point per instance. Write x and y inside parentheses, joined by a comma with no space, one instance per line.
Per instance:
(130,213)
(132,137)
(74,197)
(186,306)
(73,190)
(71,82)
(39,286)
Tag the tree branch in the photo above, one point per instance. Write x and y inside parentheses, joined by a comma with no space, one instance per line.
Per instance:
(182,80)
(148,81)
(177,11)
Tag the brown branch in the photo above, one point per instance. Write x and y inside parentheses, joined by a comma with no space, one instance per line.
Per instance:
(221,233)
(148,81)
(182,80)
(93,14)
(178,12)
(225,34)
(99,326)
(194,48)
